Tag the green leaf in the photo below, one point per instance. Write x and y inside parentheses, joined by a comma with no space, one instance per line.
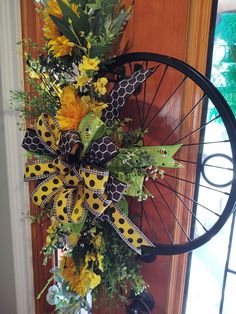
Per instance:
(120,21)
(95,6)
(64,28)
(79,22)
(124,205)
(81,3)
(76,257)
(83,23)
(76,228)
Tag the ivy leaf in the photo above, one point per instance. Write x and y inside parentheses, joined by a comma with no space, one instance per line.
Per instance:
(64,28)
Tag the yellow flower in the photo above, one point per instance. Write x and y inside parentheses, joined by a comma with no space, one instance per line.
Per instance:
(72,110)
(52,227)
(73,238)
(89,45)
(100,85)
(80,282)
(50,29)
(89,64)
(100,259)
(82,80)
(53,8)
(93,105)
(98,241)
(61,46)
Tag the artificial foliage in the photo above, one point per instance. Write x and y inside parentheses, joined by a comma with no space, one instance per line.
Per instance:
(84,159)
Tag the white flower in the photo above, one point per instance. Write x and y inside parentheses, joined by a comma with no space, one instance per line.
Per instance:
(52,295)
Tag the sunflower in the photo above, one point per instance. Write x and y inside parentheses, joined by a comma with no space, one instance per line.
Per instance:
(60,45)
(72,110)
(80,282)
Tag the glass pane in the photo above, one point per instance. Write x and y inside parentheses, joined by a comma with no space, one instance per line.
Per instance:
(232,260)
(208,263)
(206,276)
(230,293)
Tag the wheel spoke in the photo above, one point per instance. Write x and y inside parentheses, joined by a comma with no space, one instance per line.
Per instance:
(196,130)
(162,221)
(187,207)
(171,210)
(184,118)
(197,184)
(166,102)
(201,164)
(205,143)
(154,240)
(168,186)
(155,94)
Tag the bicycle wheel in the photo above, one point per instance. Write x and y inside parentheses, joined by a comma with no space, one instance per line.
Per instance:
(178,105)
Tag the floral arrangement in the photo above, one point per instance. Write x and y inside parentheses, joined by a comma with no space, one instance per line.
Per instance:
(81,157)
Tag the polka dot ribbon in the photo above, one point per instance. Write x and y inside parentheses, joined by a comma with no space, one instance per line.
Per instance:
(72,189)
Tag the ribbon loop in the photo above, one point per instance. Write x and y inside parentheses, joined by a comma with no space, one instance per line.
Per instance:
(45,191)
(36,170)
(102,150)
(33,143)
(44,132)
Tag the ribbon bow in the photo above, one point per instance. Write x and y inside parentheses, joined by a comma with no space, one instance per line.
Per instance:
(72,188)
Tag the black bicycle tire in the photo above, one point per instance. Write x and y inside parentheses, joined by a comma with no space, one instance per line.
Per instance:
(230,125)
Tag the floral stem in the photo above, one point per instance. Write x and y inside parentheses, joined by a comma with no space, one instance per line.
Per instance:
(45,287)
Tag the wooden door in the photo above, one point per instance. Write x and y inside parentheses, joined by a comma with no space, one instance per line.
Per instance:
(177,28)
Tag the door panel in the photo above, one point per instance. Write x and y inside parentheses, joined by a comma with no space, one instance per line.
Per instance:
(175,28)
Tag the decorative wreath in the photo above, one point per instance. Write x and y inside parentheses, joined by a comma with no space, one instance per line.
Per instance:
(83,159)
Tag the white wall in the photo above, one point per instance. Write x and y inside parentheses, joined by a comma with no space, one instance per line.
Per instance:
(16,280)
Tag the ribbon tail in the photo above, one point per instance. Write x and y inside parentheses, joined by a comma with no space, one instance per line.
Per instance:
(126,229)
(122,90)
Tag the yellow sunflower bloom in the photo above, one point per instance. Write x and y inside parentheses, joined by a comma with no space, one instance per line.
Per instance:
(80,282)
(100,85)
(72,110)
(61,46)
(89,64)
(50,29)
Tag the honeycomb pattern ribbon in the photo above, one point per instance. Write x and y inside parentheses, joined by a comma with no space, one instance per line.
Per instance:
(72,189)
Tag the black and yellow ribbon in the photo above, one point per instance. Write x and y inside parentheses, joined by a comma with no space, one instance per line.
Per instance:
(75,188)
